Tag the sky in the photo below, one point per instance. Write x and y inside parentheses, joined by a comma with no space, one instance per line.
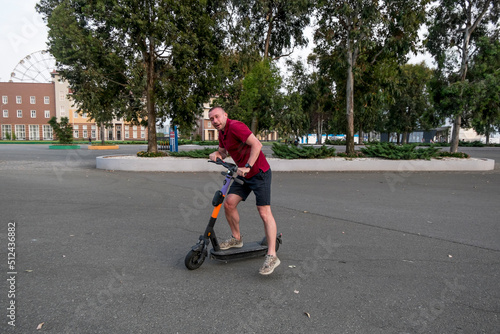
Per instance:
(23,32)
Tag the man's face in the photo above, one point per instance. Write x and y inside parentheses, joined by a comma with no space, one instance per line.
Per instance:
(218,118)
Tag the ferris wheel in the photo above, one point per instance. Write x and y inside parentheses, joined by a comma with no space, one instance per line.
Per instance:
(35,67)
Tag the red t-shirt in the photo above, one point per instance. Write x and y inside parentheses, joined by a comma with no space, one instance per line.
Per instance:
(233,139)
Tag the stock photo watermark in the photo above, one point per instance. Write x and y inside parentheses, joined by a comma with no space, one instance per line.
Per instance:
(11,273)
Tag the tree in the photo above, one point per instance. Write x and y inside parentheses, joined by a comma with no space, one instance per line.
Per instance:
(259,30)
(142,60)
(63,129)
(350,29)
(411,101)
(485,77)
(261,97)
(453,28)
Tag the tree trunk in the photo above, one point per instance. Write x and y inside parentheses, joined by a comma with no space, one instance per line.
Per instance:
(455,134)
(150,103)
(254,125)
(350,105)
(102,133)
(318,131)
(487,137)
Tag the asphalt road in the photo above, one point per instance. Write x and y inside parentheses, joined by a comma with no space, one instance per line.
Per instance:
(103,251)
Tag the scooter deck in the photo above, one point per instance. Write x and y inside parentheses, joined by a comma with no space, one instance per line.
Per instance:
(250,249)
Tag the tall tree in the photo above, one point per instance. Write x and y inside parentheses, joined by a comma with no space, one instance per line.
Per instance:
(353,28)
(411,101)
(453,28)
(153,57)
(259,30)
(485,78)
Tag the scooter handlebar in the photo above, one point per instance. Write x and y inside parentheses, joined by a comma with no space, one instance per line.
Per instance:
(232,167)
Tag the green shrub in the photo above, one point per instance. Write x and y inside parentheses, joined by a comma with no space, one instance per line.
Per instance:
(283,151)
(356,154)
(203,153)
(475,143)
(403,152)
(145,154)
(460,155)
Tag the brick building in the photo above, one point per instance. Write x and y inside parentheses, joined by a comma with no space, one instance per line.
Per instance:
(26,109)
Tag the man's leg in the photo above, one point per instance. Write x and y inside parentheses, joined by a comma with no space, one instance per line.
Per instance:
(269,227)
(232,216)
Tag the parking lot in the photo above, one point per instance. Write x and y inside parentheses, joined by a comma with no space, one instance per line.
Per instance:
(363,252)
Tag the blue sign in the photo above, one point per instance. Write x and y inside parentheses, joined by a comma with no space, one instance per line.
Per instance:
(174,146)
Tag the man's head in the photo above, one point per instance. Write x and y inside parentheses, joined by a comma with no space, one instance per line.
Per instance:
(218,117)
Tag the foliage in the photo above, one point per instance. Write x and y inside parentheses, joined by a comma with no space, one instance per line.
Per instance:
(355,154)
(259,33)
(260,97)
(399,152)
(454,29)
(411,100)
(283,151)
(63,129)
(484,75)
(141,60)
(202,153)
(350,31)
(459,155)
(144,154)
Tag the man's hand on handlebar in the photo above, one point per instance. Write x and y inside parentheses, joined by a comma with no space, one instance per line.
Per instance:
(243,171)
(215,155)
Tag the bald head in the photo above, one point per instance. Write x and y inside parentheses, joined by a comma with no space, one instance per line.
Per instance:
(218,117)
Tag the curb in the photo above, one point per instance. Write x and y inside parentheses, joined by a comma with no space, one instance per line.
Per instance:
(171,164)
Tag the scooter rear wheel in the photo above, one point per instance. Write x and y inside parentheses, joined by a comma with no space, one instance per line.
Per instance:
(194,260)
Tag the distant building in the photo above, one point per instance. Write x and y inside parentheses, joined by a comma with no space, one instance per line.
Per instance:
(27,107)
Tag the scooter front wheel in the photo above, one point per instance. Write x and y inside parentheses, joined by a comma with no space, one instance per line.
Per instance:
(194,259)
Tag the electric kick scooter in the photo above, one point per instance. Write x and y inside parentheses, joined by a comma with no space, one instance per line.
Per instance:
(196,256)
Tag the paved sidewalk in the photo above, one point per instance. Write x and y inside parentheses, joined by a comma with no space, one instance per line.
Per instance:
(363,252)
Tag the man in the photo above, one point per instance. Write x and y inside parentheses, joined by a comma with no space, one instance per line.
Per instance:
(236,139)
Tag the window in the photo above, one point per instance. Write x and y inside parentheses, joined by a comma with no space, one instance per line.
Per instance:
(127,135)
(5,113)
(19,114)
(5,100)
(46,99)
(92,133)
(33,113)
(6,131)
(32,100)
(47,132)
(143,134)
(75,114)
(19,100)
(20,132)
(62,96)
(85,134)
(34,132)
(47,113)
(134,134)
(76,134)
(62,111)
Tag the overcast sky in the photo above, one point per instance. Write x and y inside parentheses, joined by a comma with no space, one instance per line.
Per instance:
(22,32)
